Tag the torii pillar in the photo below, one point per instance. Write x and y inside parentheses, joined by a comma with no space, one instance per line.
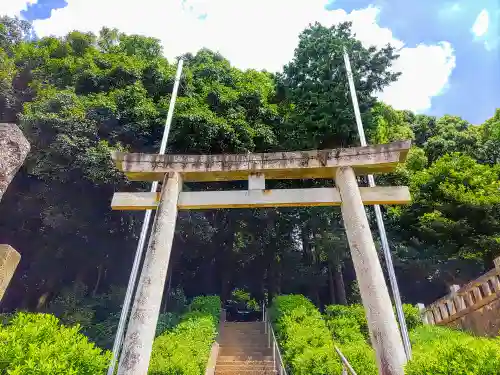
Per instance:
(344,164)
(146,308)
(384,333)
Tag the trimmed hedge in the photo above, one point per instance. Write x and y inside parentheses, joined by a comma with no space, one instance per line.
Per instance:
(349,329)
(436,350)
(184,350)
(355,314)
(444,351)
(37,344)
(306,344)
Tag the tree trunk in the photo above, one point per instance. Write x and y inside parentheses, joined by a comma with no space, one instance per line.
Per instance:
(98,281)
(331,286)
(339,284)
(44,298)
(167,295)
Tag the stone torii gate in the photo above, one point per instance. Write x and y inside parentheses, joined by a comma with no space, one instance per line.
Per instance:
(340,164)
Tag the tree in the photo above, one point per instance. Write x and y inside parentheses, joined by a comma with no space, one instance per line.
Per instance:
(455,211)
(315,85)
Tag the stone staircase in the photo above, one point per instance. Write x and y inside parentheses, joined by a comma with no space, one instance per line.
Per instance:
(243,350)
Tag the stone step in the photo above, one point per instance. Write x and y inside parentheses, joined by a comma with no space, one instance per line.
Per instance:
(235,331)
(239,358)
(242,326)
(229,371)
(249,363)
(257,339)
(245,372)
(245,346)
(237,367)
(225,335)
(244,352)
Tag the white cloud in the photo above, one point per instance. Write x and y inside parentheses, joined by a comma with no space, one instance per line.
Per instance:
(260,34)
(426,71)
(13,8)
(481,24)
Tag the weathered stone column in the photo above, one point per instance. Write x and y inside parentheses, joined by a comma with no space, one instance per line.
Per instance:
(13,150)
(384,331)
(141,329)
(9,259)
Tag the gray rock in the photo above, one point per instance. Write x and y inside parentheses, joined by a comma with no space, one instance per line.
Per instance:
(13,150)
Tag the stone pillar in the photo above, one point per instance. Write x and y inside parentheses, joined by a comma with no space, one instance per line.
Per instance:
(141,329)
(13,150)
(384,331)
(423,313)
(9,259)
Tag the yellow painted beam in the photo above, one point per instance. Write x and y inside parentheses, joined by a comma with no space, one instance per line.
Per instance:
(200,200)
(278,165)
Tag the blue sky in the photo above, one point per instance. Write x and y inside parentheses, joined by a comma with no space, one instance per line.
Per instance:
(474,87)
(447,67)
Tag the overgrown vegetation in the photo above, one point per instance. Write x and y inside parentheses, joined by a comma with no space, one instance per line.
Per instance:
(184,350)
(37,344)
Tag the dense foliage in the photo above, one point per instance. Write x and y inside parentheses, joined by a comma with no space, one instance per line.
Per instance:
(305,342)
(184,350)
(349,329)
(83,95)
(444,351)
(436,350)
(37,344)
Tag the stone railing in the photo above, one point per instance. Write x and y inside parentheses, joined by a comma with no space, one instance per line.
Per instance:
(474,307)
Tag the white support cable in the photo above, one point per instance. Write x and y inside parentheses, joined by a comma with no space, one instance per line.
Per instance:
(144,231)
(380,220)
(346,366)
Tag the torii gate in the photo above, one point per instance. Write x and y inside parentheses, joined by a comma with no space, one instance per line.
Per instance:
(339,164)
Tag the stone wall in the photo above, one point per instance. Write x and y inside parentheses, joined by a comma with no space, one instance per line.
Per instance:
(474,307)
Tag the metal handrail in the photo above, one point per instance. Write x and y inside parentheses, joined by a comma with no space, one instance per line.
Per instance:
(346,366)
(279,366)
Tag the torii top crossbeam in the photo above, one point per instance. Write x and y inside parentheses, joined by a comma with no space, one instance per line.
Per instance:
(278,165)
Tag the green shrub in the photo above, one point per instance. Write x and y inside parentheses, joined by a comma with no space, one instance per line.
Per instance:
(207,304)
(349,329)
(361,356)
(305,342)
(37,344)
(243,297)
(357,312)
(184,350)
(443,351)
(413,317)
(166,321)
(352,316)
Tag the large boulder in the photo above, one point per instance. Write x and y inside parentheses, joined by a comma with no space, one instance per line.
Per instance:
(13,150)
